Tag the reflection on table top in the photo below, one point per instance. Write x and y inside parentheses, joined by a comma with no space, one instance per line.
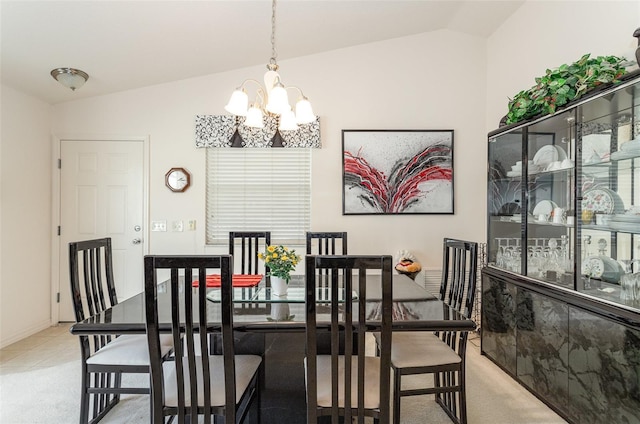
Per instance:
(414,309)
(262,294)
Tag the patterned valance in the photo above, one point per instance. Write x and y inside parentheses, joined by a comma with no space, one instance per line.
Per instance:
(230,131)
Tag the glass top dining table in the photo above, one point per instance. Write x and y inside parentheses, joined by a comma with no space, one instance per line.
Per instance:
(256,309)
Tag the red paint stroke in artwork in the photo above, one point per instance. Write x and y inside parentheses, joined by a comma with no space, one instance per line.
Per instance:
(397,192)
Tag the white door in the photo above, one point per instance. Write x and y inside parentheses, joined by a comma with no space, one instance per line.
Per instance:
(101,195)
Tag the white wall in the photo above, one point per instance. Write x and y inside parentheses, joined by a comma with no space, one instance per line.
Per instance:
(25,222)
(417,82)
(543,35)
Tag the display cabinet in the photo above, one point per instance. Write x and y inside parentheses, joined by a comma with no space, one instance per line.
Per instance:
(564,197)
(561,289)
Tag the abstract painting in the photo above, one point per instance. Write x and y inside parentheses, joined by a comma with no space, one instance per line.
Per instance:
(397,172)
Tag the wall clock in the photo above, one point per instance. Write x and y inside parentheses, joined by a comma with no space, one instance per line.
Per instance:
(177,179)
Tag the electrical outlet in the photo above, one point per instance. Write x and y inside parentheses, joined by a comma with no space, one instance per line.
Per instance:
(177,226)
(158,225)
(191,225)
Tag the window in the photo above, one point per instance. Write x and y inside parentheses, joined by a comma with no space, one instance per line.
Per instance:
(258,190)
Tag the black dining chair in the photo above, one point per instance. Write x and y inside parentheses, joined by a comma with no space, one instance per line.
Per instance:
(104,357)
(197,381)
(346,382)
(442,353)
(326,243)
(250,243)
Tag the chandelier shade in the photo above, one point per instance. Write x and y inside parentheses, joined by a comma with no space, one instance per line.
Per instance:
(278,100)
(288,121)
(272,98)
(255,118)
(304,112)
(238,103)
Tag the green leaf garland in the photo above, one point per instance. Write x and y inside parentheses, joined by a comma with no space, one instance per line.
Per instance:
(564,84)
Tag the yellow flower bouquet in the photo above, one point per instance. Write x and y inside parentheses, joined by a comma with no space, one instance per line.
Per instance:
(280,261)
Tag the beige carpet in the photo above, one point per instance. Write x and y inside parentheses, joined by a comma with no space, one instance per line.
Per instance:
(40,381)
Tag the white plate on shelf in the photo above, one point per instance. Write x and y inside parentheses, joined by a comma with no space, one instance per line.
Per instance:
(544,207)
(603,268)
(602,200)
(549,154)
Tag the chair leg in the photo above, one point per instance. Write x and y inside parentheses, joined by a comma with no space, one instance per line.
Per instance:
(117,384)
(463,398)
(397,386)
(84,399)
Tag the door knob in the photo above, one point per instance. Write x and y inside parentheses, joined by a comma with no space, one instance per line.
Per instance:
(136,241)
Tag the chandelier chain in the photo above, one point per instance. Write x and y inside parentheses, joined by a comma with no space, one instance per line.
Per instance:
(274,54)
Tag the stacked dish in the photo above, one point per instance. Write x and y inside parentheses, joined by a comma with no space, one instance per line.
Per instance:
(602,200)
(628,221)
(549,154)
(560,164)
(630,149)
(516,170)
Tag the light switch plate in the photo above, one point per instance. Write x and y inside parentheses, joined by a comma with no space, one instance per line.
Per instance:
(191,225)
(158,225)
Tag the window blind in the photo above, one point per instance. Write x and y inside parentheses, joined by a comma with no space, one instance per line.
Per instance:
(258,190)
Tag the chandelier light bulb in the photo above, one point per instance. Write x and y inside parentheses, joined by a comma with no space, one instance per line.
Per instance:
(304,112)
(254,117)
(238,103)
(288,122)
(278,100)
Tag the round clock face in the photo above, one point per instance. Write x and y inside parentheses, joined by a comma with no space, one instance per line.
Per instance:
(177,179)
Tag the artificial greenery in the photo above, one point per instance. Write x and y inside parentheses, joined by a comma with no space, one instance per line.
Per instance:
(280,260)
(564,84)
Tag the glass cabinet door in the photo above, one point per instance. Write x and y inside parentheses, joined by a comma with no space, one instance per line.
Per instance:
(564,197)
(609,240)
(505,197)
(551,199)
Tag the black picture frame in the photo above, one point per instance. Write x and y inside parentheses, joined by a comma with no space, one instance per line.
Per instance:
(397,172)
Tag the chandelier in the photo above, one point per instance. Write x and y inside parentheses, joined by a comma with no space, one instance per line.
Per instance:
(271,98)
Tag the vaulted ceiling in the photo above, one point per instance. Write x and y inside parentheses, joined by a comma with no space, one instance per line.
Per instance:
(124,45)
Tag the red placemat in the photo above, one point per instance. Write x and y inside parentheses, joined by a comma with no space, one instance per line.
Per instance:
(239,280)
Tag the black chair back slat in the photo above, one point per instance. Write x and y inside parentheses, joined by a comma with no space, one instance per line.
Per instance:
(96,259)
(324,243)
(459,269)
(251,243)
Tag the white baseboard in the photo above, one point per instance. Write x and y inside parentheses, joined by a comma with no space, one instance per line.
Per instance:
(36,328)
